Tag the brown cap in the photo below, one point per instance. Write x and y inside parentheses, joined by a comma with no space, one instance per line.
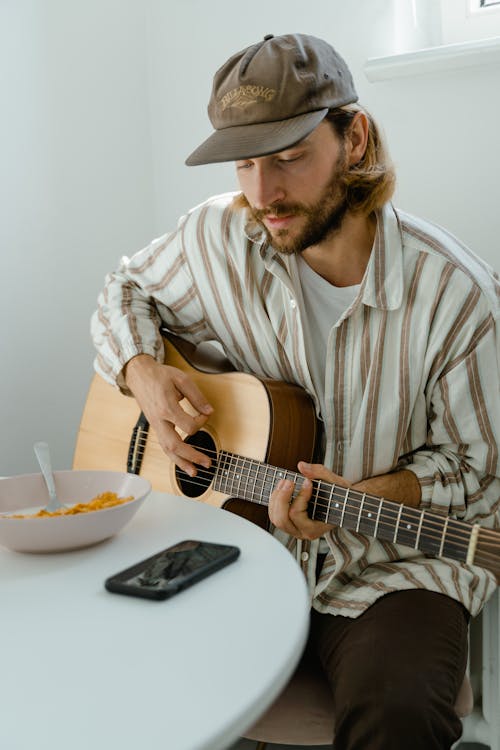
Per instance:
(271,95)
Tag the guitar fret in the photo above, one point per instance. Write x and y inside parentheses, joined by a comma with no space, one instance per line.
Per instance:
(242,477)
(329,511)
(265,493)
(246,474)
(381,502)
(255,495)
(274,481)
(233,468)
(397,523)
(443,536)
(457,544)
(337,512)
(316,509)
(221,472)
(343,509)
(407,526)
(360,509)
(238,476)
(370,517)
(315,503)
(229,474)
(417,541)
(297,479)
(430,543)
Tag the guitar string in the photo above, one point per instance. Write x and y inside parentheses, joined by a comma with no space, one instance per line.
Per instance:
(461,542)
(433,527)
(326,494)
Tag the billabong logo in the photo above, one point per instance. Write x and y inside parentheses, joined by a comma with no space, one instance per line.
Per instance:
(243,96)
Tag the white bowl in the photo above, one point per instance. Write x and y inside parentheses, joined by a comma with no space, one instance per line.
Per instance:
(59,533)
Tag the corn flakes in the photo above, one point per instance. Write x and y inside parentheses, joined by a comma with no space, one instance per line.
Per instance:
(100,502)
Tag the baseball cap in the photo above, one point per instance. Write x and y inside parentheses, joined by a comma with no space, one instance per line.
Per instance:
(271,95)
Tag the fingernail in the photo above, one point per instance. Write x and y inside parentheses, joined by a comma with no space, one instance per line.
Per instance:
(306,483)
(306,466)
(207,409)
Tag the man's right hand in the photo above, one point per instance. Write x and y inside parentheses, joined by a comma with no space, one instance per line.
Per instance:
(158,389)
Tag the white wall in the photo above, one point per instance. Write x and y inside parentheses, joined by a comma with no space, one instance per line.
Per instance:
(75,193)
(104,101)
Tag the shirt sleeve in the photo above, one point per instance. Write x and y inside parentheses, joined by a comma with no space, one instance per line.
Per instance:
(458,469)
(152,288)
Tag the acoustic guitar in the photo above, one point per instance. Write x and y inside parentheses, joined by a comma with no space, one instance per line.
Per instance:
(257,433)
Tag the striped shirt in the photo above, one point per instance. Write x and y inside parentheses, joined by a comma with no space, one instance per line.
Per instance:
(412,373)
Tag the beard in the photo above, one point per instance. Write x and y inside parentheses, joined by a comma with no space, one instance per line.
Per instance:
(322,219)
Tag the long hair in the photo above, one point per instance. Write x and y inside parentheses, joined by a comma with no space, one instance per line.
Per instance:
(371,182)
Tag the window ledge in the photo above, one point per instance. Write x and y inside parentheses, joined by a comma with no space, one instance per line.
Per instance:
(434,59)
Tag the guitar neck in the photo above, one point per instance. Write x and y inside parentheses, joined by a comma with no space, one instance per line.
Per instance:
(376,517)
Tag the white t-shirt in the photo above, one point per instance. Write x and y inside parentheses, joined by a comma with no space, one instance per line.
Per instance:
(324,305)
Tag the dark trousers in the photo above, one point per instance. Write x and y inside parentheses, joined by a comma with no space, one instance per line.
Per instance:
(395,671)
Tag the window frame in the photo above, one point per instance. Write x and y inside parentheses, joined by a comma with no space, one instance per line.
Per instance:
(468,20)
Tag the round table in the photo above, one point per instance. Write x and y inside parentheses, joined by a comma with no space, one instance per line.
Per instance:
(82,668)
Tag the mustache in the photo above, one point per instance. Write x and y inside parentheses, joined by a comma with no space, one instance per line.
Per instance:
(278,211)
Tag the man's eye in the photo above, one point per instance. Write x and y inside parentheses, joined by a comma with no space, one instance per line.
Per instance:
(290,159)
(244,165)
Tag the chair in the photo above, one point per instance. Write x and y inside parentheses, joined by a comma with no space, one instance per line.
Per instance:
(302,714)
(483,723)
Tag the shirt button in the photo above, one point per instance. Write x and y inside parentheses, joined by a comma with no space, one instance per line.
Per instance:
(293,304)
(340,446)
(304,556)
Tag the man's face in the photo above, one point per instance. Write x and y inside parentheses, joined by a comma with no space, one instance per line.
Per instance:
(298,195)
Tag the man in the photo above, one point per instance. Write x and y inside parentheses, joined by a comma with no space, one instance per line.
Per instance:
(310,275)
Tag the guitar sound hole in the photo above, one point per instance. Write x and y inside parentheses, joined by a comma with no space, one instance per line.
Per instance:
(196,486)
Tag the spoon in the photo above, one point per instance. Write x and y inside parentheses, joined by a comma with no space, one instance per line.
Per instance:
(43,455)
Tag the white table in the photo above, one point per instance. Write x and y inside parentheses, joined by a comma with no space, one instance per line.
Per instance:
(81,668)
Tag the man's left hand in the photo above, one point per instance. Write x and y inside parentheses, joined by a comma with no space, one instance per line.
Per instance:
(289,513)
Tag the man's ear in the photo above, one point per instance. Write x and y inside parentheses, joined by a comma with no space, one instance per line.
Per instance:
(357,138)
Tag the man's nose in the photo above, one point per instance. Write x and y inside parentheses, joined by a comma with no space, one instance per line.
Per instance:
(266,189)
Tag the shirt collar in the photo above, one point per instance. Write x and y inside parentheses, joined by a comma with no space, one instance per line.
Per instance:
(382,285)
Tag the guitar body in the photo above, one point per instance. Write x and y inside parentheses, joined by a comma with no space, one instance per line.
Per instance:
(258,432)
(261,419)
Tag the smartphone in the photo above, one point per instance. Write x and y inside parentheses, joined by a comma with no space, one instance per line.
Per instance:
(175,568)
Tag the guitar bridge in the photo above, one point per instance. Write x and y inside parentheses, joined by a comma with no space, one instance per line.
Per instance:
(137,445)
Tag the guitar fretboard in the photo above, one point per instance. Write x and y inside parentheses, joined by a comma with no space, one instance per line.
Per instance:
(428,532)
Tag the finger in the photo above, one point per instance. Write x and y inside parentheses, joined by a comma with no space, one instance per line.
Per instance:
(279,506)
(297,510)
(319,471)
(298,513)
(188,423)
(184,455)
(190,390)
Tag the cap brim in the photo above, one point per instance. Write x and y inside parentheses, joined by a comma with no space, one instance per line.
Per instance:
(248,141)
